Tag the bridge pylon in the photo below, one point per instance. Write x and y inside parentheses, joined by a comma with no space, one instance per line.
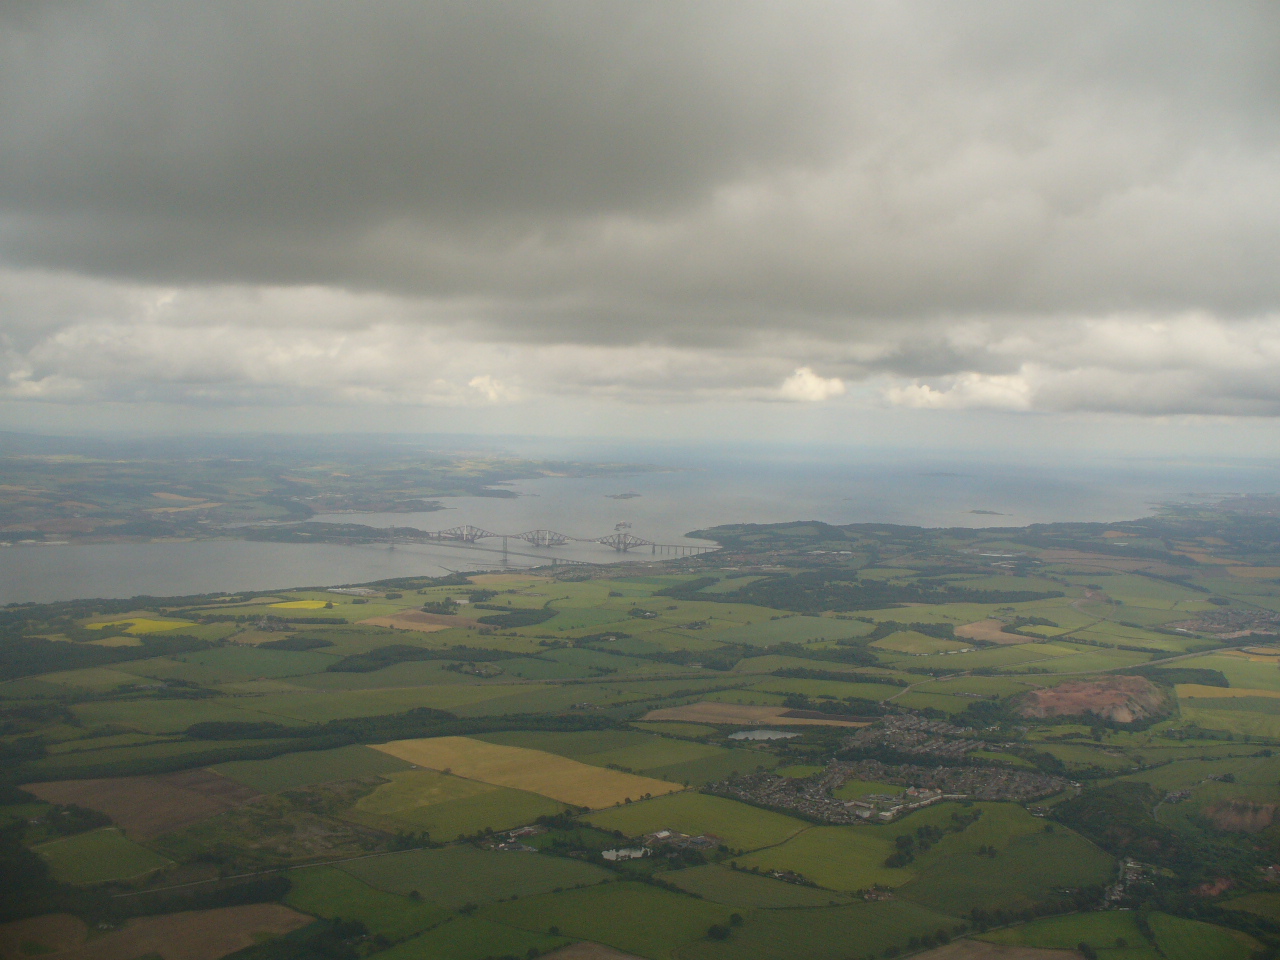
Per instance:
(465,534)
(543,538)
(622,542)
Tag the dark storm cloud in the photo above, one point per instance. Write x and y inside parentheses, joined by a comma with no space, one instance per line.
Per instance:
(1004,203)
(268,139)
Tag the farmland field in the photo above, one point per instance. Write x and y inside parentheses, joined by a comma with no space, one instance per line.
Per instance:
(632,917)
(911,642)
(742,889)
(531,770)
(328,892)
(296,770)
(190,935)
(469,938)
(839,858)
(98,856)
(791,630)
(659,768)
(149,806)
(740,826)
(1175,938)
(834,933)
(456,876)
(1064,933)
(1263,904)
(954,878)
(447,806)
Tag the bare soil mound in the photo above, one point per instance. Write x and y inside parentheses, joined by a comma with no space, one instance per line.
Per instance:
(1241,816)
(149,806)
(1122,699)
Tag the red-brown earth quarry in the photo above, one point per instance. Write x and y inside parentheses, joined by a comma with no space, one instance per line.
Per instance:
(1122,699)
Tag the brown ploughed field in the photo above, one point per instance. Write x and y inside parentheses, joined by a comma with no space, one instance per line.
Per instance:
(195,935)
(146,807)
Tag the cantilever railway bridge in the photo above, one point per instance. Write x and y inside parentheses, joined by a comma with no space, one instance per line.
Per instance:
(620,540)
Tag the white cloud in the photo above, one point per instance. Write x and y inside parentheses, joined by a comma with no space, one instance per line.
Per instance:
(1054,207)
(493,390)
(805,386)
(969,390)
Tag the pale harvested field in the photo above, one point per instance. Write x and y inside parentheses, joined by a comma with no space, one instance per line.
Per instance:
(1256,573)
(1204,557)
(1253,656)
(195,935)
(992,631)
(533,770)
(738,713)
(422,622)
(149,806)
(977,950)
(1194,691)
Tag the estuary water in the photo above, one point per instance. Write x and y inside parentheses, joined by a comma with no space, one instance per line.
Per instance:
(679,497)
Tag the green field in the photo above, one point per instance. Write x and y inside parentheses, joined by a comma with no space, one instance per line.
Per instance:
(1241,716)
(1175,937)
(446,806)
(675,728)
(838,858)
(631,750)
(173,716)
(834,933)
(913,643)
(741,889)
(294,771)
(457,875)
(631,917)
(1240,672)
(328,892)
(1013,657)
(740,826)
(1026,869)
(724,764)
(1266,905)
(407,846)
(98,856)
(792,630)
(933,701)
(1100,930)
(126,759)
(469,938)
(827,688)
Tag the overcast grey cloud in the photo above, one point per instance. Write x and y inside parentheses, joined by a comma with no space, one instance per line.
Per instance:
(1048,207)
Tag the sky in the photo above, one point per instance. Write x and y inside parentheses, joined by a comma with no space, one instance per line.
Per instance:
(993,224)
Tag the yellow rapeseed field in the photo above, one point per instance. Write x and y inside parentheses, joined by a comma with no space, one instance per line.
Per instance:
(533,770)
